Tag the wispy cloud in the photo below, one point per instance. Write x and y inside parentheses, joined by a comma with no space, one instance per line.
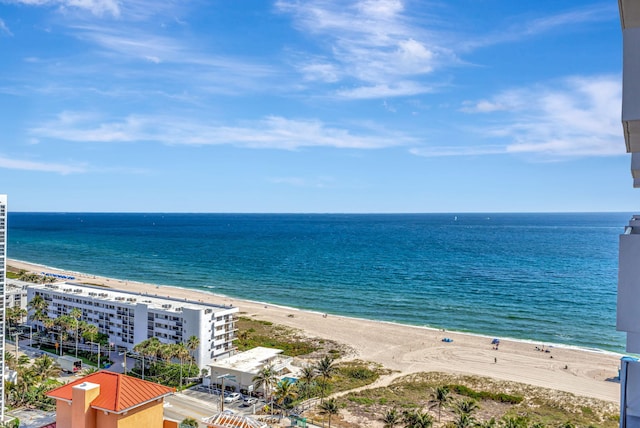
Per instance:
(28,165)
(580,116)
(96,7)
(371,42)
(526,28)
(380,49)
(273,132)
(4,29)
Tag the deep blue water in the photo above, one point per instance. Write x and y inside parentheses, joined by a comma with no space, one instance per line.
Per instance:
(543,277)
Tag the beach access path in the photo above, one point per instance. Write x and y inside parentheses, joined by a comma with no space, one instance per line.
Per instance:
(408,349)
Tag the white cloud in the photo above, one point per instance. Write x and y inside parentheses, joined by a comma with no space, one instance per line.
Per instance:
(372,43)
(96,7)
(4,29)
(28,165)
(580,116)
(396,89)
(272,132)
(324,72)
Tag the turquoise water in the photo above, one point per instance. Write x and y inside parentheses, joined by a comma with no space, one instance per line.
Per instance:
(541,277)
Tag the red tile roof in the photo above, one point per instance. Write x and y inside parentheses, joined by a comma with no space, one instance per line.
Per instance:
(117,391)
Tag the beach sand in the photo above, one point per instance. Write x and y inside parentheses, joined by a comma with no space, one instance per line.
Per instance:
(407,349)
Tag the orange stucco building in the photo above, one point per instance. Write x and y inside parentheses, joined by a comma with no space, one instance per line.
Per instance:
(109,400)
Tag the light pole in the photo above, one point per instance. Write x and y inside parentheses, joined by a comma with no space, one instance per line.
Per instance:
(96,343)
(223,377)
(30,335)
(124,363)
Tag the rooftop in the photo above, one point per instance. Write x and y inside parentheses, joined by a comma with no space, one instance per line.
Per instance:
(118,392)
(127,298)
(250,361)
(229,420)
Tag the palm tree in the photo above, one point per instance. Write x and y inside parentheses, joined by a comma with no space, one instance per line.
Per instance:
(14,315)
(265,378)
(466,407)
(285,393)
(39,306)
(329,407)
(76,314)
(305,380)
(440,398)
(46,367)
(417,419)
(180,351)
(188,423)
(391,418)
(63,324)
(148,349)
(192,344)
(10,360)
(465,420)
(89,331)
(325,369)
(513,422)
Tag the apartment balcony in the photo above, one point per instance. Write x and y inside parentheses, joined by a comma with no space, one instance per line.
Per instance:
(630,20)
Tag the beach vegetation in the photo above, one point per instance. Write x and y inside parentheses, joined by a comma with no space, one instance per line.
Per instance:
(14,273)
(349,375)
(306,382)
(440,398)
(391,418)
(33,379)
(485,395)
(35,277)
(417,419)
(329,408)
(480,402)
(325,369)
(253,333)
(285,393)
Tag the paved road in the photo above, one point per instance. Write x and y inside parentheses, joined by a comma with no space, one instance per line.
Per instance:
(198,405)
(180,406)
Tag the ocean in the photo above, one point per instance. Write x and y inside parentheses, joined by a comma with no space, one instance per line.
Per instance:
(548,278)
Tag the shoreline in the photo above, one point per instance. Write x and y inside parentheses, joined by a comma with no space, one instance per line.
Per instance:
(87,276)
(410,349)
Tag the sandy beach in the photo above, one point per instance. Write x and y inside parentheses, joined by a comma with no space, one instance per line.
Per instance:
(407,349)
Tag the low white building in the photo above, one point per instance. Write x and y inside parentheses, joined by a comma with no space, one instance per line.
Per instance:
(239,370)
(16,293)
(130,318)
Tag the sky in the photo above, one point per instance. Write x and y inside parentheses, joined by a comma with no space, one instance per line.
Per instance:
(315,106)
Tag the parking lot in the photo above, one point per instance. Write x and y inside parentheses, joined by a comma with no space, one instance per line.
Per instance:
(238,403)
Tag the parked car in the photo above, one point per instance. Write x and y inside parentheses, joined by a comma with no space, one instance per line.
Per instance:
(248,401)
(234,396)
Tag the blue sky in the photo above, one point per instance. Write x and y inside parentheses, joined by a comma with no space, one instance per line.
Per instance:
(312,106)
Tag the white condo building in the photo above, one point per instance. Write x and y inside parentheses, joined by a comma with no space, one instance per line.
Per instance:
(130,318)
(628,312)
(3,275)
